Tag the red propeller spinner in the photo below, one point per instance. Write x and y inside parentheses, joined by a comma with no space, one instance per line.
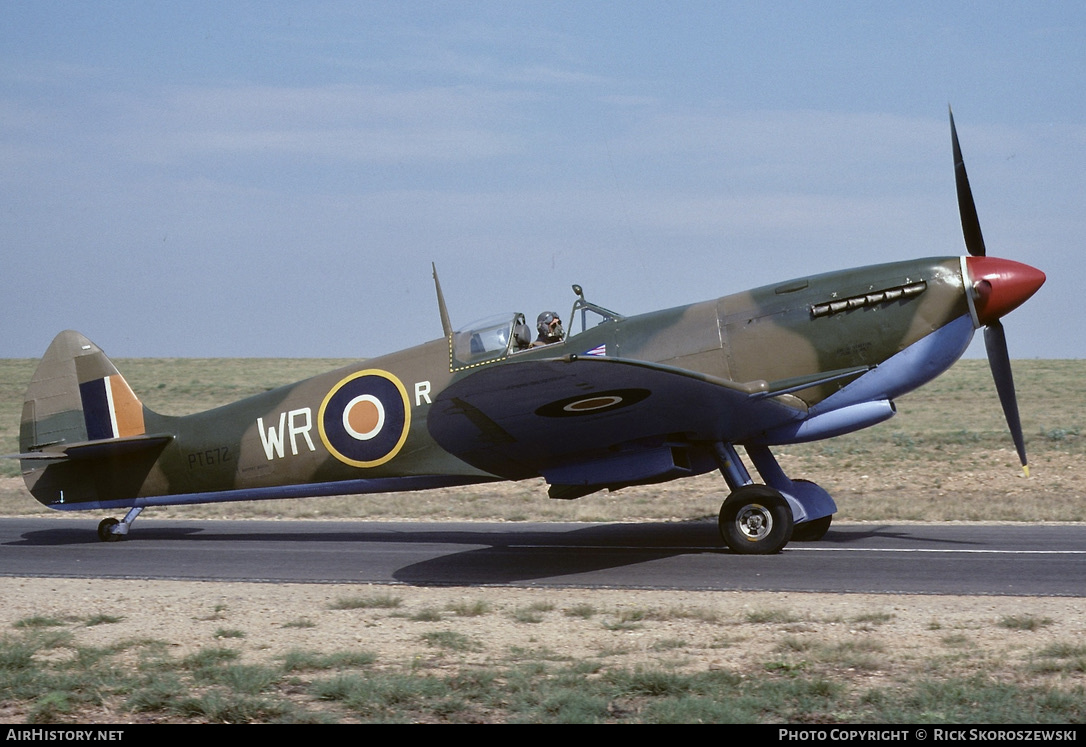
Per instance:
(1000,286)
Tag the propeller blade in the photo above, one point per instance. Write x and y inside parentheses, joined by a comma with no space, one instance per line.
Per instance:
(995,341)
(974,241)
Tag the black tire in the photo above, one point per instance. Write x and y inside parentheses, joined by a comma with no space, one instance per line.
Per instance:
(755,520)
(104,533)
(812,531)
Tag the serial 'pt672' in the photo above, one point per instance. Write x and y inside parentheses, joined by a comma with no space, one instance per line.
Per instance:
(616,401)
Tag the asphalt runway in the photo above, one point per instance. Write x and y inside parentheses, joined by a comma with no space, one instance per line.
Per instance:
(969,559)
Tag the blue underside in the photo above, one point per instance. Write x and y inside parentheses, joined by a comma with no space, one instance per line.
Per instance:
(913,367)
(306,490)
(868,400)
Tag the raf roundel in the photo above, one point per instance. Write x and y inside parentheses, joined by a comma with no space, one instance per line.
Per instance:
(365,418)
(593,404)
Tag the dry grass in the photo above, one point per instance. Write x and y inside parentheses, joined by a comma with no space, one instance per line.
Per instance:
(868,658)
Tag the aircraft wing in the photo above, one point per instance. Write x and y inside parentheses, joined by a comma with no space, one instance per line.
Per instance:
(597,420)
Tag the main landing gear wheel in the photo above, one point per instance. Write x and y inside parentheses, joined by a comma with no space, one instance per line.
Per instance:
(105,531)
(811,531)
(756,520)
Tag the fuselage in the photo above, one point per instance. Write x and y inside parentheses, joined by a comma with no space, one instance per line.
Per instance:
(363,428)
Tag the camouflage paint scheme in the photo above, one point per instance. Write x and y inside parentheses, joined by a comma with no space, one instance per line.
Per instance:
(620,401)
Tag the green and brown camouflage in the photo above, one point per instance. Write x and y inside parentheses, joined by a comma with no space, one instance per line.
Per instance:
(617,401)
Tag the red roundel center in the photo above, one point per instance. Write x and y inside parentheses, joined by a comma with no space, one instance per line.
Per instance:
(363,417)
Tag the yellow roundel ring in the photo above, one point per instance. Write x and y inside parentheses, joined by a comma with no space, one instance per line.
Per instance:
(365,418)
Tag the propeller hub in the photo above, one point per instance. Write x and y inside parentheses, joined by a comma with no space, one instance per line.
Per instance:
(1000,286)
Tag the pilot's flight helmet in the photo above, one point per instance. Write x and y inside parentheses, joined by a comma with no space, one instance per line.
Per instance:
(543,324)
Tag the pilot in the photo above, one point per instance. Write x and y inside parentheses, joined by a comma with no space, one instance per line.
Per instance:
(550,329)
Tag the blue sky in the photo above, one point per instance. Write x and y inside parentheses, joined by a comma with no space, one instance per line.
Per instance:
(274,179)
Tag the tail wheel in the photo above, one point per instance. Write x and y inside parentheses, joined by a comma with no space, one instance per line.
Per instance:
(105,531)
(756,520)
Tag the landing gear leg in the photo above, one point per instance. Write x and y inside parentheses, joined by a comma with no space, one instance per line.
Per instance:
(731,466)
(754,519)
(814,507)
(751,519)
(111,530)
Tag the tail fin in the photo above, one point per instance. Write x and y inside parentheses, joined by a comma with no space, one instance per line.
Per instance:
(77,395)
(83,437)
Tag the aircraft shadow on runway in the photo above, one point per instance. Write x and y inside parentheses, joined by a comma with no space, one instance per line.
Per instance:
(502,555)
